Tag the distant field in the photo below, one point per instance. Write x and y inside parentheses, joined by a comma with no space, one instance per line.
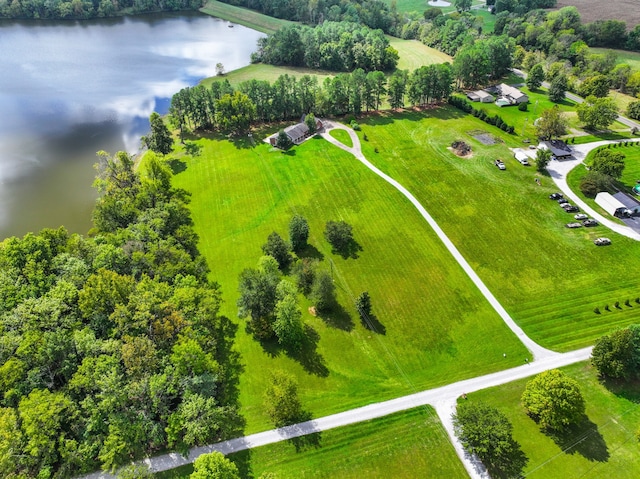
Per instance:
(602,446)
(414,54)
(404,445)
(242,16)
(630,58)
(592,10)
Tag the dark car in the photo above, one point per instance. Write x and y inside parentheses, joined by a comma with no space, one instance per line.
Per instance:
(562,201)
(556,196)
(590,222)
(602,241)
(573,225)
(571,209)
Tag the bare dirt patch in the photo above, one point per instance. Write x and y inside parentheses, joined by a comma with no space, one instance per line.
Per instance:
(484,137)
(461,149)
(592,10)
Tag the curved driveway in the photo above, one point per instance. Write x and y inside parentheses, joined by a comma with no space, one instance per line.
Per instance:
(559,169)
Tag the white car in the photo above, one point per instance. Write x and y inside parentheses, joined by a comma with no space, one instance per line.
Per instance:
(602,241)
(581,216)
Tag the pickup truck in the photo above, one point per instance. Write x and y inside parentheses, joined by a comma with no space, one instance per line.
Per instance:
(500,164)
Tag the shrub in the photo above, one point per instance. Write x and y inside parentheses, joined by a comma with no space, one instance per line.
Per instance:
(523,106)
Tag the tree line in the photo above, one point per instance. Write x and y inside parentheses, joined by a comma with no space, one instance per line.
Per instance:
(334,46)
(112,344)
(223,107)
(84,9)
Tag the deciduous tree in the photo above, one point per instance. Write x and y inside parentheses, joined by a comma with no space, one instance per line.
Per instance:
(551,124)
(159,139)
(597,113)
(298,232)
(214,466)
(617,355)
(608,162)
(278,249)
(535,77)
(281,400)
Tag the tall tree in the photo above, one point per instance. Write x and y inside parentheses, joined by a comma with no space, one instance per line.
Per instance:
(551,124)
(235,112)
(298,232)
(535,77)
(288,323)
(608,162)
(281,400)
(214,466)
(553,400)
(159,139)
(617,355)
(279,249)
(462,5)
(558,88)
(597,113)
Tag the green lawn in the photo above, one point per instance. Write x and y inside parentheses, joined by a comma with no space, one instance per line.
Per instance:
(342,136)
(407,445)
(630,58)
(243,16)
(430,314)
(548,277)
(414,54)
(604,445)
(261,71)
(630,175)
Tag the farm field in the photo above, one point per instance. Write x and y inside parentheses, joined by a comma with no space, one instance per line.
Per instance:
(630,174)
(604,445)
(430,314)
(549,278)
(592,10)
(411,444)
(414,54)
(243,16)
(624,56)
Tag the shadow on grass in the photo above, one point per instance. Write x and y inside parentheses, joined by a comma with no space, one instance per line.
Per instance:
(350,250)
(311,437)
(310,252)
(372,323)
(308,356)
(242,460)
(582,438)
(177,166)
(629,390)
(337,317)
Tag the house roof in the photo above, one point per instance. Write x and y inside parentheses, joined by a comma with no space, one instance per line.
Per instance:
(483,94)
(508,90)
(558,147)
(296,131)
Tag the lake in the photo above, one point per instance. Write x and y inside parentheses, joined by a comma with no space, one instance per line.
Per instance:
(70,89)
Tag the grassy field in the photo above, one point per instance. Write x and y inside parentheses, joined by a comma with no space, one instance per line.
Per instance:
(429,314)
(342,136)
(407,445)
(603,445)
(548,277)
(592,10)
(630,175)
(414,54)
(242,16)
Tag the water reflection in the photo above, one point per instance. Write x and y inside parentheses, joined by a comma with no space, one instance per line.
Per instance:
(70,89)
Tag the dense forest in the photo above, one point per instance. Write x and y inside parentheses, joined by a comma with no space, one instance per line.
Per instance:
(84,9)
(111,345)
(335,46)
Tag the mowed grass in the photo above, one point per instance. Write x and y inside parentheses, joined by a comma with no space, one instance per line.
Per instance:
(270,73)
(548,277)
(604,445)
(243,16)
(434,327)
(342,136)
(414,54)
(403,445)
(630,58)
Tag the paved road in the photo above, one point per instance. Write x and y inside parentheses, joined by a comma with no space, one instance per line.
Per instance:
(443,399)
(559,169)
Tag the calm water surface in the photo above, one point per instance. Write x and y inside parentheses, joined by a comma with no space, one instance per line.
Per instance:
(68,90)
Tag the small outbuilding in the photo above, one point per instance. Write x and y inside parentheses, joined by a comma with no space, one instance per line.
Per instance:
(611,205)
(558,148)
(481,96)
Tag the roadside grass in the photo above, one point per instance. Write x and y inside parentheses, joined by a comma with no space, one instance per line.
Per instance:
(342,136)
(630,174)
(622,101)
(548,277)
(405,445)
(243,16)
(601,135)
(432,324)
(603,445)
(414,54)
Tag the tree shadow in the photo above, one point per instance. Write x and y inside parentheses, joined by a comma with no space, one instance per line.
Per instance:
(629,389)
(177,165)
(337,317)
(350,250)
(582,438)
(311,252)
(308,355)
(289,152)
(305,435)
(242,142)
(372,323)
(242,460)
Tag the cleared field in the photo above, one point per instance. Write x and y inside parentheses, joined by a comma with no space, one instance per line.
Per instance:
(261,71)
(406,445)
(242,16)
(548,277)
(592,10)
(414,54)
(603,445)
(431,317)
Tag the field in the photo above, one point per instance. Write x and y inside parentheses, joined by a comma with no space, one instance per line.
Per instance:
(604,445)
(242,16)
(592,10)
(414,54)
(411,444)
(422,5)
(429,314)
(549,278)
(630,174)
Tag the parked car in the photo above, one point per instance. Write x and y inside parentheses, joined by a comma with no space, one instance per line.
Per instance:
(602,241)
(573,225)
(581,216)
(556,196)
(590,222)
(500,164)
(571,208)
(562,201)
